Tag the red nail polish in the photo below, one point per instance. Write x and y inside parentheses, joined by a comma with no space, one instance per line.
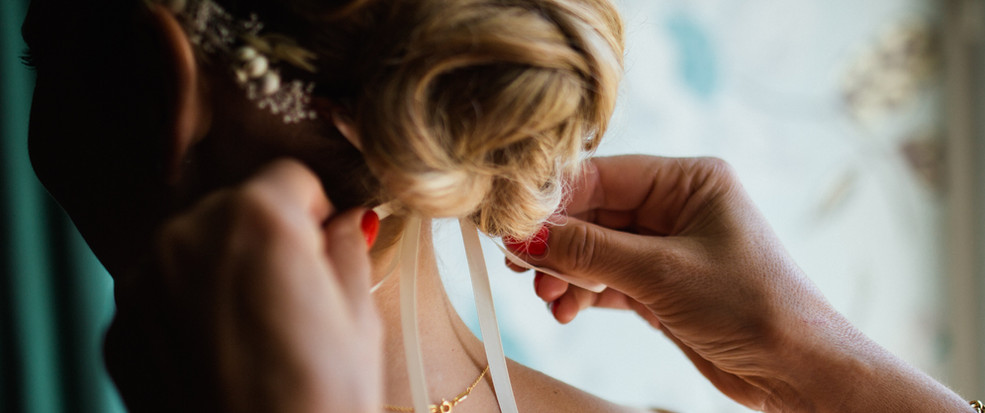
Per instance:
(371,227)
(535,246)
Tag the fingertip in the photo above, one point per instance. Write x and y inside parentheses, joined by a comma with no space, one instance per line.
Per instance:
(563,310)
(534,247)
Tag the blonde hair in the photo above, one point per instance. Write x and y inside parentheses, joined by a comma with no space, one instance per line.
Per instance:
(477,108)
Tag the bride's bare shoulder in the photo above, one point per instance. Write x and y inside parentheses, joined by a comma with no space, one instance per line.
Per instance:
(538,392)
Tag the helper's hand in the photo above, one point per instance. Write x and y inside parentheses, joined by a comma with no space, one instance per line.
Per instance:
(679,242)
(257,301)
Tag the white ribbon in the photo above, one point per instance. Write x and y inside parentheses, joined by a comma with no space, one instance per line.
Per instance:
(409,246)
(487,318)
(489,327)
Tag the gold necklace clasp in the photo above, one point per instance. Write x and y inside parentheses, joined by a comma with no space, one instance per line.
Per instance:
(444,407)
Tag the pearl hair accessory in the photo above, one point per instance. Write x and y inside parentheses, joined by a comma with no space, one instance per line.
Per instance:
(253,56)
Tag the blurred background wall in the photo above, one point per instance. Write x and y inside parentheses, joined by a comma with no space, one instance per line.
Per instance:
(855,126)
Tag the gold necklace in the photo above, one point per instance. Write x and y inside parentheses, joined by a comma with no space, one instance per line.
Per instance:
(446,405)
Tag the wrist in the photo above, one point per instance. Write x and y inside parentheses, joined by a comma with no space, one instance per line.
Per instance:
(836,368)
(820,364)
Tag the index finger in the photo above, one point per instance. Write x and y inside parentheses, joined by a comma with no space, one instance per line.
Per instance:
(644,194)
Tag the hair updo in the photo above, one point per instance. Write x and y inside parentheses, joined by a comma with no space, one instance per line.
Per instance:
(478,108)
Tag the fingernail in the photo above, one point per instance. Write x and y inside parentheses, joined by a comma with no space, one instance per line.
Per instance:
(537,279)
(371,227)
(535,246)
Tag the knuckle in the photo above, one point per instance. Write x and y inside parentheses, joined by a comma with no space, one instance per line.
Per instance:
(253,194)
(253,211)
(672,268)
(713,162)
(718,168)
(667,261)
(288,166)
(582,248)
(287,169)
(219,220)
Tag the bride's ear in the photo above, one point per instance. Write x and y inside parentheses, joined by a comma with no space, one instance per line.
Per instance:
(343,122)
(186,113)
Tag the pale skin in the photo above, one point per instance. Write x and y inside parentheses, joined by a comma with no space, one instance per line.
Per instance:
(256,296)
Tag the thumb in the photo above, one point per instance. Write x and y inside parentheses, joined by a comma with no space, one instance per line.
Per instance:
(630,263)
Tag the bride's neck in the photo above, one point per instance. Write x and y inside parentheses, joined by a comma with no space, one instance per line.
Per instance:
(452,355)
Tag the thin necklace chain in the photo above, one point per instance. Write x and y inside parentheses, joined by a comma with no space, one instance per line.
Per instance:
(446,405)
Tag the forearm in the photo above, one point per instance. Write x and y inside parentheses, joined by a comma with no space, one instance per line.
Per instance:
(858,375)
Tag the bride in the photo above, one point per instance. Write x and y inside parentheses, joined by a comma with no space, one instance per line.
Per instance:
(475,109)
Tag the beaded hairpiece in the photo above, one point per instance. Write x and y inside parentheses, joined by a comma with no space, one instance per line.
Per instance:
(253,56)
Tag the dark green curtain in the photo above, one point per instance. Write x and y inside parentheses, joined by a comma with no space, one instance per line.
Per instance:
(55,297)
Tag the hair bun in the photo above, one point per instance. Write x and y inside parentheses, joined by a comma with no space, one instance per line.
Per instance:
(481,107)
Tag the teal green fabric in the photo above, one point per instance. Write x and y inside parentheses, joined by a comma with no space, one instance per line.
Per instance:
(55,297)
